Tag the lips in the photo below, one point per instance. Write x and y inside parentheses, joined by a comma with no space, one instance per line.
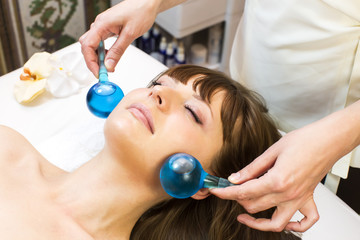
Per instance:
(142,113)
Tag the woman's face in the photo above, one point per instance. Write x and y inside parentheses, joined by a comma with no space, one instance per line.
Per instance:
(150,124)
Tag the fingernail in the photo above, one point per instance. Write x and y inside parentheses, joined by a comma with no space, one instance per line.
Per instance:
(235,177)
(109,64)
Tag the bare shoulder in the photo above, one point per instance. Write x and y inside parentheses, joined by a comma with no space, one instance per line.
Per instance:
(16,149)
(13,144)
(11,139)
(8,132)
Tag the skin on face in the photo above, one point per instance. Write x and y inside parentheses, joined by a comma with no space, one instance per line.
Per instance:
(150,124)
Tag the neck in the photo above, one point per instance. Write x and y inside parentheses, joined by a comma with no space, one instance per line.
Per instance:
(105,198)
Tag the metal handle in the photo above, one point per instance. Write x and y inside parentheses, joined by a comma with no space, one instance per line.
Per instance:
(216,182)
(103,74)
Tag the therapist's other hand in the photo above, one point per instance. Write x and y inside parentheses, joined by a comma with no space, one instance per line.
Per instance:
(285,177)
(128,19)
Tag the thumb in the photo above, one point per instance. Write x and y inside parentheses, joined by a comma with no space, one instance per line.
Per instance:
(256,168)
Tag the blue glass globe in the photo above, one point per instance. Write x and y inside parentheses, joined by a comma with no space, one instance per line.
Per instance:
(103,97)
(182,175)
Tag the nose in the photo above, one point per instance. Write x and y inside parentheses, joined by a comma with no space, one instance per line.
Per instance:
(163,96)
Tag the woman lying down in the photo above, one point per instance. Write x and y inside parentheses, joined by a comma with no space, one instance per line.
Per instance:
(117,194)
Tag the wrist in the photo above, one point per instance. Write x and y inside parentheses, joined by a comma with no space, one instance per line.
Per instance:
(351,117)
(340,130)
(162,5)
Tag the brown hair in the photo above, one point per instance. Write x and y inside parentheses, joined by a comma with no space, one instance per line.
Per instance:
(247,132)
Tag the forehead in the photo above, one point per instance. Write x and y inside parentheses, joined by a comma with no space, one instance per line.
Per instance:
(186,81)
(180,85)
(201,84)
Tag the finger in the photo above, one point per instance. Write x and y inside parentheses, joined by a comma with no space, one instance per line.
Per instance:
(277,223)
(251,189)
(260,204)
(117,50)
(259,166)
(229,193)
(89,45)
(311,216)
(82,37)
(258,199)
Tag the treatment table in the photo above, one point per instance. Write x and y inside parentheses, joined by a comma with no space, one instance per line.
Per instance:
(67,134)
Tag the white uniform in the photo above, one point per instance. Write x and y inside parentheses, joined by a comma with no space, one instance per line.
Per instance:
(303,57)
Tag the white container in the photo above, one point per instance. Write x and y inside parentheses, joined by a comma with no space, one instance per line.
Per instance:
(198,54)
(180,55)
(214,44)
(170,60)
(192,16)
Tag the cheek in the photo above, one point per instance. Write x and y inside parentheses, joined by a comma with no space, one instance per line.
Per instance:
(121,126)
(121,132)
(137,95)
(180,134)
(201,142)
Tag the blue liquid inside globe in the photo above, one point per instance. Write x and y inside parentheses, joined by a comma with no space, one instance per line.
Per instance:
(103,97)
(182,175)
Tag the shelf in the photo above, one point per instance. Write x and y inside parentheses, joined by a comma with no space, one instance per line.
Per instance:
(192,16)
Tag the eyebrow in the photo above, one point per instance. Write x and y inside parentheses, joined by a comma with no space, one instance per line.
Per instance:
(198,97)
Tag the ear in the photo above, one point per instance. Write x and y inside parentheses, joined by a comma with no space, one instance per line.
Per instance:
(201,194)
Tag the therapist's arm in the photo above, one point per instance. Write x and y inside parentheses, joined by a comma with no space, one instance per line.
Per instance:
(293,167)
(129,20)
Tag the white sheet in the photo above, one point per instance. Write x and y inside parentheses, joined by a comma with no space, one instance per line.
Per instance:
(67,134)
(50,124)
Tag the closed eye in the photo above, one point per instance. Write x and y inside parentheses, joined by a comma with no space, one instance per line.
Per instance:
(193,113)
(153,84)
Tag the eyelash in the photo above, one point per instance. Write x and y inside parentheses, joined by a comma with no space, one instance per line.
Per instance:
(154,83)
(195,116)
(187,107)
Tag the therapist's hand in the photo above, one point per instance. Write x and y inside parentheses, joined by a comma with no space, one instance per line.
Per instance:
(286,175)
(288,185)
(128,20)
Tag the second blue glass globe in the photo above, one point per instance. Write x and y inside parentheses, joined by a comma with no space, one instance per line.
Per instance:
(182,175)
